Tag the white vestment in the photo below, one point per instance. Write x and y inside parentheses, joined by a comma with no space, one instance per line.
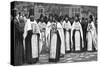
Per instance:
(35,39)
(42,35)
(91,36)
(53,43)
(48,28)
(67,27)
(78,34)
(61,33)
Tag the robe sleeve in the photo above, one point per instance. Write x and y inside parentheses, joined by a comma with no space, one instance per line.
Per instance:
(48,28)
(69,25)
(93,27)
(94,35)
(38,29)
(63,24)
(88,27)
(25,30)
(81,34)
(81,30)
(25,33)
(73,27)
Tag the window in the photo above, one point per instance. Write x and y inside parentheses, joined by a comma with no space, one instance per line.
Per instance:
(75,11)
(72,9)
(78,9)
(40,11)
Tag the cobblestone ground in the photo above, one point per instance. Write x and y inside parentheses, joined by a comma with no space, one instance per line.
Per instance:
(72,57)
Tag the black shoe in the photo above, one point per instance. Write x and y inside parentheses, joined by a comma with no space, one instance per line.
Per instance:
(67,51)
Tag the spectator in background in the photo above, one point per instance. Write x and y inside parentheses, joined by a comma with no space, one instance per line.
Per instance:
(84,27)
(18,35)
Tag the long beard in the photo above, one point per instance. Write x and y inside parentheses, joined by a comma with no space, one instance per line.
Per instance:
(66,21)
(76,20)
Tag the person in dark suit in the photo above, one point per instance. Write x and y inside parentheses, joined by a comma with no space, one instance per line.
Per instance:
(84,24)
(18,40)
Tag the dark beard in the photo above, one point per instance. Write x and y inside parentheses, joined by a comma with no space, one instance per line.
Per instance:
(66,21)
(76,20)
(90,21)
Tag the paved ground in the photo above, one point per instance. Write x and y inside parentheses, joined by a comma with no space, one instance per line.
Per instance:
(72,57)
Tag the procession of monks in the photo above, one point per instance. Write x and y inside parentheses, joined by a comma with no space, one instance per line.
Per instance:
(60,34)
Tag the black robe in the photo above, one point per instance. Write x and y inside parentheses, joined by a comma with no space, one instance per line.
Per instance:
(18,58)
(28,49)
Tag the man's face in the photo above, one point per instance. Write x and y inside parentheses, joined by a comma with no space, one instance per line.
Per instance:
(53,18)
(32,18)
(50,17)
(89,19)
(72,20)
(76,18)
(42,19)
(22,14)
(66,18)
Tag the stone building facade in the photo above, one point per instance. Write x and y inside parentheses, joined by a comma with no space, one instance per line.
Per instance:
(59,9)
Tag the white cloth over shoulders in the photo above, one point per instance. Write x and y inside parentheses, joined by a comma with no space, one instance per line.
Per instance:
(27,27)
(66,25)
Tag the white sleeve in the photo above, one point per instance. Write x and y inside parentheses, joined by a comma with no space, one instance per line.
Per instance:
(81,30)
(38,29)
(63,24)
(88,27)
(73,27)
(94,29)
(25,30)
